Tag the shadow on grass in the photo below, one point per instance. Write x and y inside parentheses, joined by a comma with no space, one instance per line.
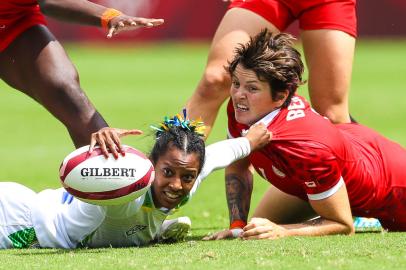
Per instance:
(36,252)
(370,231)
(207,229)
(200,238)
(194,238)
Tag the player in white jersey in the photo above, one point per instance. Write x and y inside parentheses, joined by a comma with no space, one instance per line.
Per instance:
(55,219)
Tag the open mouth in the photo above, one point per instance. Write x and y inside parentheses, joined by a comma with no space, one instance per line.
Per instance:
(241,107)
(172,196)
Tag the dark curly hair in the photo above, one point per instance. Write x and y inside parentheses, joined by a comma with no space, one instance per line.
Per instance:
(273,59)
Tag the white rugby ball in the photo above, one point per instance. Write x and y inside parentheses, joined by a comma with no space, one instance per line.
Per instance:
(94,179)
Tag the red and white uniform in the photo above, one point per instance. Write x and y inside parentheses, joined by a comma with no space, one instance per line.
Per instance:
(311,14)
(16,16)
(311,158)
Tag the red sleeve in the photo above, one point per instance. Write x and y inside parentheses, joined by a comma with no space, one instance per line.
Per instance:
(316,167)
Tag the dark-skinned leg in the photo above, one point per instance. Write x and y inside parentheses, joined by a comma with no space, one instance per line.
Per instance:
(37,65)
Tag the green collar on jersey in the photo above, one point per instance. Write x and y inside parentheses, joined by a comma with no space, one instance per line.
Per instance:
(149,203)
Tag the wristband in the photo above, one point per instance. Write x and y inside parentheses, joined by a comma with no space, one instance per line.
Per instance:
(107,15)
(238,224)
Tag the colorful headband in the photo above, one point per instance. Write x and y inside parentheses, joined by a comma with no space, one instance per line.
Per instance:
(196,126)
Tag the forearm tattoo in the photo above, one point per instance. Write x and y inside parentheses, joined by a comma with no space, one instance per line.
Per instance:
(238,192)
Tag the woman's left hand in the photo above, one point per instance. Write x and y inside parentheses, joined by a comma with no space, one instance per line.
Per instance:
(262,228)
(110,138)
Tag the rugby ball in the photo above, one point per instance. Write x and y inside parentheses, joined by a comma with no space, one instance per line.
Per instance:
(95,179)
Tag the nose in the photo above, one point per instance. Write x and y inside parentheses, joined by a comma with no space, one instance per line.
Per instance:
(176,184)
(237,93)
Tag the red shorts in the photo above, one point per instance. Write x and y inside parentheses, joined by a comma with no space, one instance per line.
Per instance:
(393,217)
(390,187)
(312,14)
(12,26)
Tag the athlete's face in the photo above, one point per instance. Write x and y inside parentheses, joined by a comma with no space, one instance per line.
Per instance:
(175,174)
(251,97)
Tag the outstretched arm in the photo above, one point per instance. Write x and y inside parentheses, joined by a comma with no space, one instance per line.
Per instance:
(85,12)
(335,218)
(221,154)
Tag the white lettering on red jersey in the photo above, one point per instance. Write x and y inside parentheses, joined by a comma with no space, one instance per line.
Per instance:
(311,158)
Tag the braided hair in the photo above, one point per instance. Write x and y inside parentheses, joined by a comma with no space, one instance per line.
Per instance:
(185,135)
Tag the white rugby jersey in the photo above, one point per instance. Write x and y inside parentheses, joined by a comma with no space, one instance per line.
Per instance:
(62,221)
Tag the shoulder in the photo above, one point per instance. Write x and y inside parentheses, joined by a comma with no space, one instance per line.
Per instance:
(298,111)
(299,122)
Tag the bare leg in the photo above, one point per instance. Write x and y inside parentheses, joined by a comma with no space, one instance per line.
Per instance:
(329,56)
(236,27)
(36,64)
(283,208)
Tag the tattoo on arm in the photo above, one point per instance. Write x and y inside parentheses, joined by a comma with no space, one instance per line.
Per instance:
(238,192)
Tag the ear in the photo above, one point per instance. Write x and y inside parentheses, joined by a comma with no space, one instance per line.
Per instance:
(281,97)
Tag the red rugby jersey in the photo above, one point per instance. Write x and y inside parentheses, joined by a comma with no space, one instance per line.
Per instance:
(11,10)
(309,157)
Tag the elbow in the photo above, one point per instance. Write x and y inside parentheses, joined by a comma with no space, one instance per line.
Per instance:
(348,229)
(342,228)
(351,230)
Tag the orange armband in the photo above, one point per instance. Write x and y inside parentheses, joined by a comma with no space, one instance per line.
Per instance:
(237,224)
(107,15)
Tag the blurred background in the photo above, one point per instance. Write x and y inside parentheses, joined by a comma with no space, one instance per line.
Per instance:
(197,20)
(135,79)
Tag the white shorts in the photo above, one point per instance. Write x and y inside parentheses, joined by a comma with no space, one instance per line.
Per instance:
(16,229)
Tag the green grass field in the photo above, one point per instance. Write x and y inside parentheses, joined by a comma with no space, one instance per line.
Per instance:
(134,87)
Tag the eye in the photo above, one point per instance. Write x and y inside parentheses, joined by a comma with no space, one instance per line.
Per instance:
(235,83)
(252,88)
(188,178)
(167,172)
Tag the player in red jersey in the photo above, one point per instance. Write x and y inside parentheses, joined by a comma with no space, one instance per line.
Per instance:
(33,61)
(328,31)
(316,168)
